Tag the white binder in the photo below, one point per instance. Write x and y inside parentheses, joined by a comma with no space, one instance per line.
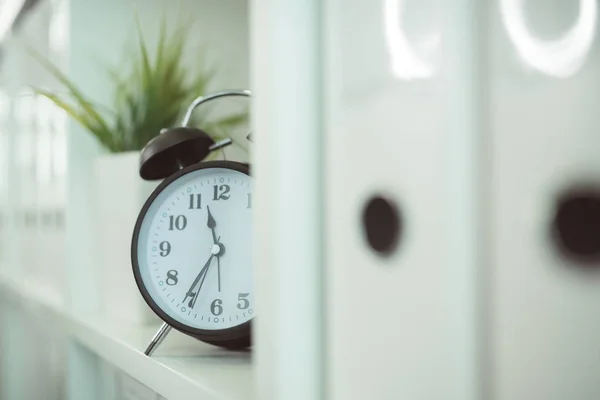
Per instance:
(402,125)
(475,120)
(544,303)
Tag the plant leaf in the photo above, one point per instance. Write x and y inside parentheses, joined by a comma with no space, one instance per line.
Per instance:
(82,117)
(145,63)
(151,93)
(80,98)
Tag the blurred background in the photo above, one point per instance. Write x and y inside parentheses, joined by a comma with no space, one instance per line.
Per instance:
(51,194)
(427,198)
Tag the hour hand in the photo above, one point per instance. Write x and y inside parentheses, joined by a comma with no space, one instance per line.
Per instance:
(211,223)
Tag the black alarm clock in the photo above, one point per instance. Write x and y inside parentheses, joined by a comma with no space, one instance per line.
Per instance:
(191,250)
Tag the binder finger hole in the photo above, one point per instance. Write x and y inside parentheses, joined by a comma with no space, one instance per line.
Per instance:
(382,225)
(576,225)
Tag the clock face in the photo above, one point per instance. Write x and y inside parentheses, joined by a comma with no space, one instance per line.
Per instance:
(193,254)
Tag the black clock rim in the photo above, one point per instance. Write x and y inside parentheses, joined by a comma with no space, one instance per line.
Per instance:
(223,337)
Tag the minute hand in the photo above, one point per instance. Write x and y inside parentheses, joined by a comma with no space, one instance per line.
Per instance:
(202,272)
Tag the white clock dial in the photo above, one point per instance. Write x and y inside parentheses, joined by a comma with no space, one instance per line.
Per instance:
(194,249)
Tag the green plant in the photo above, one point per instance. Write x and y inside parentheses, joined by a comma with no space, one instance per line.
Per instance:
(151,95)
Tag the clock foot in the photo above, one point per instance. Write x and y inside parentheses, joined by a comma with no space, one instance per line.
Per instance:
(157,339)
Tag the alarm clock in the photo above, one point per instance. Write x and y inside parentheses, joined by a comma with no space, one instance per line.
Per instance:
(191,250)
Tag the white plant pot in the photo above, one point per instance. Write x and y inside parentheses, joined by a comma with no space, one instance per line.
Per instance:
(119,196)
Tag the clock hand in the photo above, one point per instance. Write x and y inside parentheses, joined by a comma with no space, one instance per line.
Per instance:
(211,223)
(219,270)
(200,275)
(215,253)
(192,302)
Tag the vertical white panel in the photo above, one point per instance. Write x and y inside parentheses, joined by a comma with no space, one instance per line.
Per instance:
(545,71)
(287,167)
(84,379)
(14,354)
(130,389)
(402,81)
(264,282)
(466,178)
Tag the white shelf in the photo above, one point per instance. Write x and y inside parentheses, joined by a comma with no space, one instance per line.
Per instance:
(32,295)
(181,368)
